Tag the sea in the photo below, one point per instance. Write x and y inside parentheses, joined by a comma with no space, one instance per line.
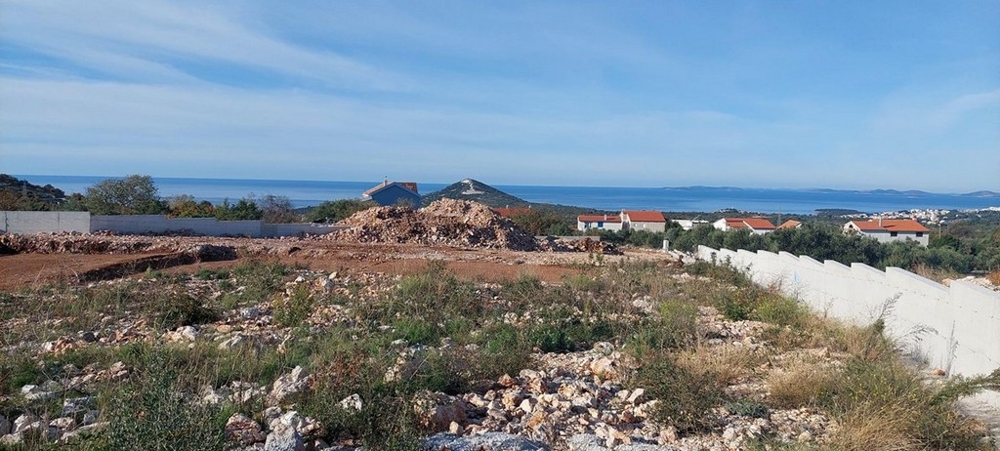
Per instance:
(304,193)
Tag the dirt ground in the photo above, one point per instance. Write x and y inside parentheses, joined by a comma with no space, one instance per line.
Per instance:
(26,270)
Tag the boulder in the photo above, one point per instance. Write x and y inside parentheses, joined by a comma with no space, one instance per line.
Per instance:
(289,386)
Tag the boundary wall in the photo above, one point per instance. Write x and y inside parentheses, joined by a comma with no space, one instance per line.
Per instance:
(44,221)
(955,328)
(28,222)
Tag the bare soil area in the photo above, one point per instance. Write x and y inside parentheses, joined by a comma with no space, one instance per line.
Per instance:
(490,265)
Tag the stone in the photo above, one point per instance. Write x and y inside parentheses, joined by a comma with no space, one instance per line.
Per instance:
(284,438)
(77,406)
(604,368)
(63,423)
(352,402)
(23,422)
(436,411)
(36,393)
(636,396)
(243,429)
(5,426)
(490,441)
(289,386)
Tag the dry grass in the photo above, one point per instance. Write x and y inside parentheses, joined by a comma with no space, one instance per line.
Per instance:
(994,278)
(728,364)
(801,385)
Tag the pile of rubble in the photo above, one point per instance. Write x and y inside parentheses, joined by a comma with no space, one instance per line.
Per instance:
(444,222)
(76,243)
(588,245)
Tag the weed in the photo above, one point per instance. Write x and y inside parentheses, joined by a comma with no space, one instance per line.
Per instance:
(295,309)
(685,398)
(151,412)
(747,408)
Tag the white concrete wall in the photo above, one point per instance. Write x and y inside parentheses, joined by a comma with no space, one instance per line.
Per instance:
(293,229)
(141,224)
(26,222)
(955,328)
(650,226)
(584,226)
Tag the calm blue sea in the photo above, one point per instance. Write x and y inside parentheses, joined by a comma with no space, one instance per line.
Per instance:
(706,199)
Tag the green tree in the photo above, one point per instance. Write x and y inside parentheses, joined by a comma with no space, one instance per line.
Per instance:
(337,210)
(244,209)
(132,195)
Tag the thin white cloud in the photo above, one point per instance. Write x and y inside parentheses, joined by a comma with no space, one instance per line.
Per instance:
(151,38)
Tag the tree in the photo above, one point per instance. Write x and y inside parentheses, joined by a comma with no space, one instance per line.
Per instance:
(278,209)
(337,210)
(244,209)
(132,195)
(185,206)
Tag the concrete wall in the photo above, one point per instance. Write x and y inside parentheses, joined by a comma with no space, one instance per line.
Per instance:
(44,221)
(27,222)
(141,224)
(955,328)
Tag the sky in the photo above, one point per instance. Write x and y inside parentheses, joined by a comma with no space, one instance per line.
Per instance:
(816,94)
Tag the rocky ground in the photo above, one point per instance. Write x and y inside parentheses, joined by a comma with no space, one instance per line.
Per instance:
(339,342)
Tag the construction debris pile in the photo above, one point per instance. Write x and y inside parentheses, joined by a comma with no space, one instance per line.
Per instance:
(584,245)
(75,243)
(444,222)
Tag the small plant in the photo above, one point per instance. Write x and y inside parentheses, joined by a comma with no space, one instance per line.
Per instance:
(685,398)
(294,310)
(747,408)
(151,413)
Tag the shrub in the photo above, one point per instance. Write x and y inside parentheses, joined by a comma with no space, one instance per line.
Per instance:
(150,412)
(685,398)
(294,310)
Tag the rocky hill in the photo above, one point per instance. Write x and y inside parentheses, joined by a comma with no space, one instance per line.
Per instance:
(476,191)
(23,187)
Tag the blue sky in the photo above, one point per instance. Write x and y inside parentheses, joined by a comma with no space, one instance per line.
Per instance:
(857,95)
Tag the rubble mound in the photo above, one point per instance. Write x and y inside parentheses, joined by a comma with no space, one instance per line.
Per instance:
(443,222)
(588,245)
(73,243)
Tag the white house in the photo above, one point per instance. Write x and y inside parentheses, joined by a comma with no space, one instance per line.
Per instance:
(598,222)
(758,226)
(688,224)
(889,230)
(652,221)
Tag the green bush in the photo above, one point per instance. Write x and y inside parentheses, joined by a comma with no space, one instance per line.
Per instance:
(150,412)
(685,398)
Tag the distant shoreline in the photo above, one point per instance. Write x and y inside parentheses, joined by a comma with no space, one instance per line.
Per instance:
(305,193)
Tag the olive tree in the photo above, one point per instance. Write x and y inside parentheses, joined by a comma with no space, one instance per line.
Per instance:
(132,195)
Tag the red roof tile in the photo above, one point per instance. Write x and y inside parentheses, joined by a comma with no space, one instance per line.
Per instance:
(644,216)
(890,225)
(754,223)
(790,224)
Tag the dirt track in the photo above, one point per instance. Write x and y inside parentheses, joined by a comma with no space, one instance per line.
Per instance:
(30,269)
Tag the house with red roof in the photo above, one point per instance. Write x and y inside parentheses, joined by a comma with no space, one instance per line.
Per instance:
(757,226)
(790,224)
(652,221)
(889,230)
